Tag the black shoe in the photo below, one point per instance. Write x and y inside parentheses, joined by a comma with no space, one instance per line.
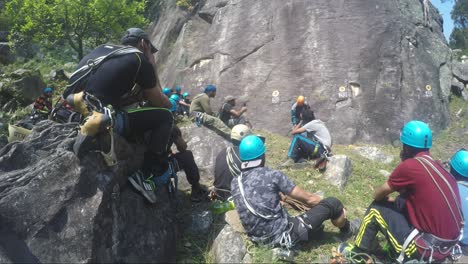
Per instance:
(352,231)
(198,194)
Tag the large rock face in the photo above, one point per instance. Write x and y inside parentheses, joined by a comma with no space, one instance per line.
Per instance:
(366,66)
(57,208)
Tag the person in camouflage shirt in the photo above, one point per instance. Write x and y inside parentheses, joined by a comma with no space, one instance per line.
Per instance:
(256,194)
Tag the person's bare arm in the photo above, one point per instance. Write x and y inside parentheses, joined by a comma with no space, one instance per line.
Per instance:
(154,96)
(298,129)
(382,192)
(306,197)
(184,103)
(238,113)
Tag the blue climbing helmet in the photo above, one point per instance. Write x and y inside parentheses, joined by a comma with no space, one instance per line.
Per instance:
(47,90)
(210,88)
(459,162)
(185,95)
(167,91)
(251,147)
(175,97)
(416,134)
(178,89)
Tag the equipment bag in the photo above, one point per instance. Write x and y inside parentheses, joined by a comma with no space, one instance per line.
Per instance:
(79,78)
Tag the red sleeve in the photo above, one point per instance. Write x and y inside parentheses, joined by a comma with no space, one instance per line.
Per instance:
(402,176)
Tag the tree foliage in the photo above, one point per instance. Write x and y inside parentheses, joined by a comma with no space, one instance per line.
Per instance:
(79,24)
(459,36)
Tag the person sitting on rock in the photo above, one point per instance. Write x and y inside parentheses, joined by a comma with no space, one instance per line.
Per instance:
(424,222)
(311,140)
(43,105)
(113,83)
(174,98)
(184,160)
(459,170)
(201,113)
(184,104)
(256,194)
(227,164)
(230,116)
(296,110)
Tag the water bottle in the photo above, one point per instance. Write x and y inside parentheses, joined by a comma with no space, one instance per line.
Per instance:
(220,207)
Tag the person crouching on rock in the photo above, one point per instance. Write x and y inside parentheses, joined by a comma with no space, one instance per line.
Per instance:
(123,81)
(230,116)
(256,194)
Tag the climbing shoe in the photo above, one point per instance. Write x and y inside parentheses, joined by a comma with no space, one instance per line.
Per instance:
(198,194)
(288,163)
(352,230)
(321,164)
(353,254)
(146,187)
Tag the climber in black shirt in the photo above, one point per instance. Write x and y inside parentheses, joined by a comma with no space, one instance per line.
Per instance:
(124,81)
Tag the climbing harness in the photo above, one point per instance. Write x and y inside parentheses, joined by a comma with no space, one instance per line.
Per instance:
(431,242)
(198,118)
(249,206)
(231,158)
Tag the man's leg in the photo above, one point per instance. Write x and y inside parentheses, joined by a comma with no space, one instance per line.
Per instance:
(328,208)
(158,121)
(217,125)
(301,147)
(386,218)
(186,162)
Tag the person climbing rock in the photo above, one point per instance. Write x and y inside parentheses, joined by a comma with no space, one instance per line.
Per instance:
(424,222)
(120,80)
(256,194)
(311,140)
(230,116)
(201,113)
(184,160)
(296,110)
(227,163)
(459,170)
(42,105)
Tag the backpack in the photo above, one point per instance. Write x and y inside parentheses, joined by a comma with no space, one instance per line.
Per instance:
(80,77)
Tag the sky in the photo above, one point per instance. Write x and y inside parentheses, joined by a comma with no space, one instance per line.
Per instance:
(445,9)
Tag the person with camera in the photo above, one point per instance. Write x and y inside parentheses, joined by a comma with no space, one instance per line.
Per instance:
(230,116)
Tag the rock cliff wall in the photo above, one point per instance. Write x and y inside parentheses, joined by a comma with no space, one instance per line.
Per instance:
(366,66)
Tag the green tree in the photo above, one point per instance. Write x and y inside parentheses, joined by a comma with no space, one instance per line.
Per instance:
(77,23)
(459,36)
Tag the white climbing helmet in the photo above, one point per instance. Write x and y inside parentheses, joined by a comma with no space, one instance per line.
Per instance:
(238,132)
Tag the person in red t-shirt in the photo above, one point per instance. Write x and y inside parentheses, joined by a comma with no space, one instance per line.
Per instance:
(428,201)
